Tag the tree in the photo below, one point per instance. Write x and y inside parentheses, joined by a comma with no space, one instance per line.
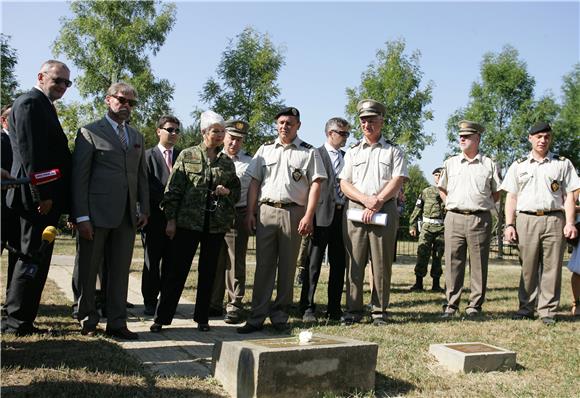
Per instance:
(7,63)
(246,85)
(412,188)
(567,126)
(395,80)
(110,41)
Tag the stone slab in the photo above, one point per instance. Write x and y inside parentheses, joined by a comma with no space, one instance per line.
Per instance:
(473,357)
(284,367)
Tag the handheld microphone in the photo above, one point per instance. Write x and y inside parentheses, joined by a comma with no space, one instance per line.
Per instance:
(48,236)
(39,178)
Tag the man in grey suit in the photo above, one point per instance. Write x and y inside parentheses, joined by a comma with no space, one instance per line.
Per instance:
(160,160)
(328,226)
(110,201)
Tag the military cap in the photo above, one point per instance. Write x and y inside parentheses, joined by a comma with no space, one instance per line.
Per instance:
(369,107)
(437,170)
(540,127)
(467,127)
(237,128)
(288,111)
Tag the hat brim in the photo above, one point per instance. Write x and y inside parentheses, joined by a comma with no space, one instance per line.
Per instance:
(369,113)
(468,132)
(236,133)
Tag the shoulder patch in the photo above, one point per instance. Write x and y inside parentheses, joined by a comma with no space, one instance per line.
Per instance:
(521,160)
(558,157)
(355,144)
(390,142)
(305,145)
(269,142)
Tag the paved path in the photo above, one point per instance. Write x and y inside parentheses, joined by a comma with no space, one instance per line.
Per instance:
(180,349)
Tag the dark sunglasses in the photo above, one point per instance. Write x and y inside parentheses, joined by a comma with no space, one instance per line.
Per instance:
(341,133)
(60,80)
(172,130)
(124,100)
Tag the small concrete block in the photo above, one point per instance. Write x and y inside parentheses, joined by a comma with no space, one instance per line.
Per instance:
(473,357)
(285,367)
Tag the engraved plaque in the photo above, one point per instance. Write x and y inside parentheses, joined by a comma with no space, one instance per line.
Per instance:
(472,348)
(290,342)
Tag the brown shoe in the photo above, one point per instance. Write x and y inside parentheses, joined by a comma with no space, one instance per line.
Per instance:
(122,333)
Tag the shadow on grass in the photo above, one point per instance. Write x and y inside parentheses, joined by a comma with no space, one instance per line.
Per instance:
(389,387)
(80,389)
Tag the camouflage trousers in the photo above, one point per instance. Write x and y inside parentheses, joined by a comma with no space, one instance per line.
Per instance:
(431,244)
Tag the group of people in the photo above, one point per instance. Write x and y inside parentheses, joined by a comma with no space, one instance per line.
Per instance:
(214,195)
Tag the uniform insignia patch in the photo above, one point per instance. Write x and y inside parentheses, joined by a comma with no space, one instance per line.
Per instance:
(296,175)
(418,203)
(305,145)
(554,186)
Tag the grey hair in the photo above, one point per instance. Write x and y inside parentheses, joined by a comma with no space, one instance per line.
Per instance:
(51,63)
(123,88)
(336,122)
(209,118)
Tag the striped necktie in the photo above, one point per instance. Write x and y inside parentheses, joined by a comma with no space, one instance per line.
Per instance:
(336,165)
(121,133)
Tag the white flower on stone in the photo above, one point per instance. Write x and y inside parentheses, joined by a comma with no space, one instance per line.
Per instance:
(305,336)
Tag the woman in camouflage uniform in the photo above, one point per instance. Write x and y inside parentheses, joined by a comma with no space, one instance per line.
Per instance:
(199,206)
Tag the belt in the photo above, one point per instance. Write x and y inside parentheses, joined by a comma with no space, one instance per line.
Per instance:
(279,205)
(468,212)
(540,212)
(436,221)
(338,207)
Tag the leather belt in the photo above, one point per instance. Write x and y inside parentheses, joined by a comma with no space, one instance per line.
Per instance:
(468,212)
(436,221)
(279,205)
(540,212)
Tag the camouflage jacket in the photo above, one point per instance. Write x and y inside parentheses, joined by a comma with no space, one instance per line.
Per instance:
(191,181)
(429,204)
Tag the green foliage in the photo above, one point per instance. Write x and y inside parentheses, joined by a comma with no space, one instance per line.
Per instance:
(412,188)
(567,126)
(7,63)
(503,101)
(110,41)
(395,80)
(246,85)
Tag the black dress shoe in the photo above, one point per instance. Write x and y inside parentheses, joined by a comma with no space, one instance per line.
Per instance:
(25,330)
(130,305)
(233,318)
(248,328)
(156,327)
(122,333)
(89,330)
(203,327)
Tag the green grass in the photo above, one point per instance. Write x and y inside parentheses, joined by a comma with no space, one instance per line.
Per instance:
(65,364)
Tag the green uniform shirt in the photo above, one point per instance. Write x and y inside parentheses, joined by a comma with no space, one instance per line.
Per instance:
(429,204)
(192,179)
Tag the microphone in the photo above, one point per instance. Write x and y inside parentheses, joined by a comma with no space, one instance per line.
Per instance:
(48,236)
(39,178)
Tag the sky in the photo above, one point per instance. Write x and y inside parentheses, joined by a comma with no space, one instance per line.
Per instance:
(328,45)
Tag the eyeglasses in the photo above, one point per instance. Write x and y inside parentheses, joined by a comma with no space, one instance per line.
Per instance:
(124,100)
(60,80)
(172,130)
(341,133)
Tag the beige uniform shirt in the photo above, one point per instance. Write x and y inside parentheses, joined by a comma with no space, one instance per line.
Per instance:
(541,185)
(286,172)
(370,167)
(469,185)
(242,161)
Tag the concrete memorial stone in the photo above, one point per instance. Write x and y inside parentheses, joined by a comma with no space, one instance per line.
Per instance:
(473,357)
(286,367)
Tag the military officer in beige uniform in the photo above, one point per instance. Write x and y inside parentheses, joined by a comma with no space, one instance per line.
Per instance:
(540,189)
(286,175)
(469,186)
(373,173)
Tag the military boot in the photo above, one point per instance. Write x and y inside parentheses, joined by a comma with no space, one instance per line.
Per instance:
(418,284)
(436,287)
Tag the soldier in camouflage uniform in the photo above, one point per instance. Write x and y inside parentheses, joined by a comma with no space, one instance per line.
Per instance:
(199,206)
(430,208)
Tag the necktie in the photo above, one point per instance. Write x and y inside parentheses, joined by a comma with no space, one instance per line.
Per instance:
(336,165)
(167,156)
(121,132)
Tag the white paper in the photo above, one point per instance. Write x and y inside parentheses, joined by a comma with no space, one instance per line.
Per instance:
(356,215)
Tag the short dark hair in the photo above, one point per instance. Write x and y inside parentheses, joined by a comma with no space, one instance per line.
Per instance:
(167,119)
(6,110)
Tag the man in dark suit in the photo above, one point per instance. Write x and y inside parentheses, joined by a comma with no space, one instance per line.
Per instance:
(160,161)
(10,221)
(328,227)
(110,201)
(38,144)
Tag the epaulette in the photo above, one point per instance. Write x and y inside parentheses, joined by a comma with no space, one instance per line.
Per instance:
(269,142)
(558,157)
(522,159)
(355,144)
(306,145)
(391,143)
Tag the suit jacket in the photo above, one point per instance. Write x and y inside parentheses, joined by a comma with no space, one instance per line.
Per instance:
(327,201)
(158,176)
(106,177)
(38,144)
(6,160)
